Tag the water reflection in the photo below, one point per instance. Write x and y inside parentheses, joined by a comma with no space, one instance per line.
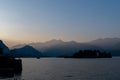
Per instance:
(17,77)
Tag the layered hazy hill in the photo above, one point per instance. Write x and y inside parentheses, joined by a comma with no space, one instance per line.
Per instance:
(109,44)
(61,48)
(106,43)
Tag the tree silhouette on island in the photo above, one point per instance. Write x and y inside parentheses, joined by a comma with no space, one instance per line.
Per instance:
(90,54)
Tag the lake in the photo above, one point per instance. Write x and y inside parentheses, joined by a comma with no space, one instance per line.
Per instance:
(70,69)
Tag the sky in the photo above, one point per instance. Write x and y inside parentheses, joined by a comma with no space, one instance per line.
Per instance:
(43,20)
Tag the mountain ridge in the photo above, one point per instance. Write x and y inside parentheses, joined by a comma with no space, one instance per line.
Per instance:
(58,47)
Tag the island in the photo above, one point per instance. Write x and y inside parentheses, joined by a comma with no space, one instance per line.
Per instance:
(90,54)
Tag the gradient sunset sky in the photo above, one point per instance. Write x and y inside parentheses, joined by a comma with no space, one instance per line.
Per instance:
(43,20)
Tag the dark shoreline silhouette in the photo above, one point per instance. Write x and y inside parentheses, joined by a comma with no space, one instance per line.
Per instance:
(9,65)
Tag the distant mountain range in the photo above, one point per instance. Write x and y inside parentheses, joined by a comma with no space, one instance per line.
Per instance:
(108,44)
(54,48)
(61,48)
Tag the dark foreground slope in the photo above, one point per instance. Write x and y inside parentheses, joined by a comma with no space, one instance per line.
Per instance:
(9,65)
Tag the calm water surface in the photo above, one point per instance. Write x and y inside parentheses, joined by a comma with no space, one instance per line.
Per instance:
(71,69)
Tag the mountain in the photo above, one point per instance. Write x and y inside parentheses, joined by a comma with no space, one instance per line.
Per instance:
(26,51)
(61,48)
(106,42)
(4,47)
(109,44)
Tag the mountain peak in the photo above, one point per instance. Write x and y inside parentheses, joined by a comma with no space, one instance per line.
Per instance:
(26,51)
(54,41)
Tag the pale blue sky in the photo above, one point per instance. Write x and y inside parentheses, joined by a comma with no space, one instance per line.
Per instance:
(42,20)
